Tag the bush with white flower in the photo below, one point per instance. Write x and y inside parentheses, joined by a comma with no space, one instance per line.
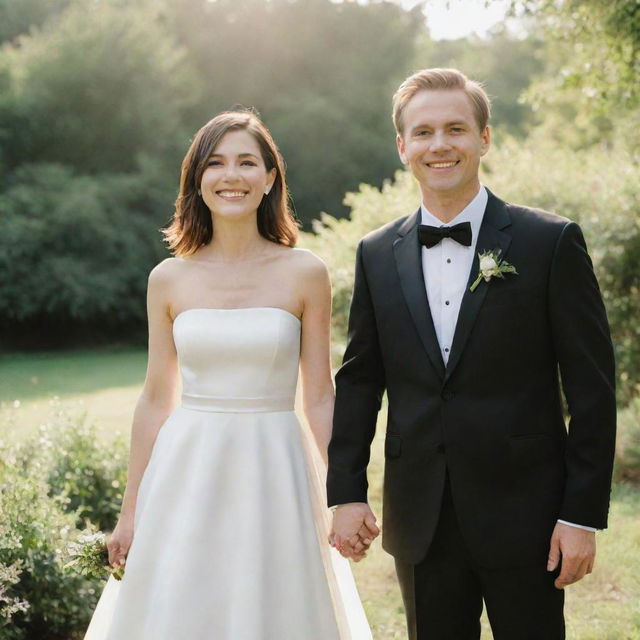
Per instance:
(42,520)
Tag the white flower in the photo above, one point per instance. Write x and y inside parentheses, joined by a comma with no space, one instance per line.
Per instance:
(92,537)
(490,265)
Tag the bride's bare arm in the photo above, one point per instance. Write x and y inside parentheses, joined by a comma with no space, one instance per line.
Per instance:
(153,407)
(315,361)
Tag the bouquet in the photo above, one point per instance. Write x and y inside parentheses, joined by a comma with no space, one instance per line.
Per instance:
(90,558)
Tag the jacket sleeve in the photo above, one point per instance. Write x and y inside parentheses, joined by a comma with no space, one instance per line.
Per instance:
(587,370)
(359,388)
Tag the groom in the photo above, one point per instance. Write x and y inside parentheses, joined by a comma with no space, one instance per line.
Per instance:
(473,314)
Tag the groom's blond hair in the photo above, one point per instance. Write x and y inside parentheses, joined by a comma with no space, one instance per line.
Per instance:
(438,79)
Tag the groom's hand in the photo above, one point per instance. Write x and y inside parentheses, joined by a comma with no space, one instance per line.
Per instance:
(575,550)
(354,528)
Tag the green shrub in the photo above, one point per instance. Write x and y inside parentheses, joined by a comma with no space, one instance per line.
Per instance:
(85,474)
(9,576)
(76,251)
(34,538)
(627,465)
(335,240)
(52,486)
(596,187)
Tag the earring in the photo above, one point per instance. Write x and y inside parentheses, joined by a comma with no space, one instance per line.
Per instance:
(266,191)
(199,192)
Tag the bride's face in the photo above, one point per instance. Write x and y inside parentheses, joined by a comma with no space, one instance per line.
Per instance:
(236,178)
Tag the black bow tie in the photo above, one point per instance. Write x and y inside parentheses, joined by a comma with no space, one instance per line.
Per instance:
(431,236)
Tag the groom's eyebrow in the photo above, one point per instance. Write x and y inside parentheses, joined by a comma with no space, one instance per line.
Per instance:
(451,123)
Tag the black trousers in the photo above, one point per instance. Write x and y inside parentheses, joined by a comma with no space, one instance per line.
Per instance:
(443,594)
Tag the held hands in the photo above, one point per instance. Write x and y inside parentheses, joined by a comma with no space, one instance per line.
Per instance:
(575,550)
(354,529)
(120,541)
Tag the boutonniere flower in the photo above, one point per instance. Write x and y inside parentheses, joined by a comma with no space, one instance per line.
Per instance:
(491,266)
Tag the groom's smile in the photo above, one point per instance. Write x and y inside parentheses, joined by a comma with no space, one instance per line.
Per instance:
(442,165)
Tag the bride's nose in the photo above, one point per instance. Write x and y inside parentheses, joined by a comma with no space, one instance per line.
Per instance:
(230,171)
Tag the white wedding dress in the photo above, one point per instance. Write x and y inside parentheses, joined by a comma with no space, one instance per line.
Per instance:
(230,525)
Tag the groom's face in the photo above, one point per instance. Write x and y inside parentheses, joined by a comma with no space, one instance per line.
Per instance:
(442,143)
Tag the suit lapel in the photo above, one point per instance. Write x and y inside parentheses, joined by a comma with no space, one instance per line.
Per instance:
(408,258)
(491,236)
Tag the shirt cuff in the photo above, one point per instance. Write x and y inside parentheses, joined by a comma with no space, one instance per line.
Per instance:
(577,526)
(333,507)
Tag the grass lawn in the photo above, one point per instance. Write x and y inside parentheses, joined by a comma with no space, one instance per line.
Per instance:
(69,373)
(105,385)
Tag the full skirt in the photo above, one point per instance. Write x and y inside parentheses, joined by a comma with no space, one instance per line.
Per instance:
(230,540)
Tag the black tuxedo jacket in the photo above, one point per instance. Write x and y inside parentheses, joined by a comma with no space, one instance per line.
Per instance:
(493,416)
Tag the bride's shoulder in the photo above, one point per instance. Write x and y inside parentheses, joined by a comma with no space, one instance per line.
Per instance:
(166,271)
(307,261)
(310,274)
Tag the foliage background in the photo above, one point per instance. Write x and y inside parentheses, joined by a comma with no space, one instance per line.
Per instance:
(98,102)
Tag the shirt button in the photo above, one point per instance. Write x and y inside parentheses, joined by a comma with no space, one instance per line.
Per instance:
(448,260)
(446,349)
(446,302)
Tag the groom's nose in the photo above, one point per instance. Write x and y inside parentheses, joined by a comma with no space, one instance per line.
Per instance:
(439,141)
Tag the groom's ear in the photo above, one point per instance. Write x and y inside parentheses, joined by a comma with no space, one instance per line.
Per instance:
(400,145)
(485,136)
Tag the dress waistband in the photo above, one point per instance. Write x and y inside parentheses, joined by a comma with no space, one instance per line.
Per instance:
(236,405)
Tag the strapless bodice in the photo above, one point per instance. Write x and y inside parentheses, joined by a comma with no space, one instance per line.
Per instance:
(222,351)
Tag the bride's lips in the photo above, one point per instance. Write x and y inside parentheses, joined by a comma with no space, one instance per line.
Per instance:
(231,194)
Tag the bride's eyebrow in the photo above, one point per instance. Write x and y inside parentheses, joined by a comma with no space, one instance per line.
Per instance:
(240,155)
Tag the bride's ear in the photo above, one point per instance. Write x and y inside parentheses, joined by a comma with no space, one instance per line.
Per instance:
(271,178)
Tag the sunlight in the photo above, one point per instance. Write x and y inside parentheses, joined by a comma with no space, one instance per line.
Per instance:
(451,19)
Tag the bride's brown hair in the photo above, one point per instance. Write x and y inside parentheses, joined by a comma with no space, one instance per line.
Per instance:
(191,226)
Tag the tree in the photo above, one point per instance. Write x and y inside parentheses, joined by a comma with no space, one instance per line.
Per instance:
(97,104)
(75,253)
(93,89)
(320,73)
(18,17)
(503,62)
(599,45)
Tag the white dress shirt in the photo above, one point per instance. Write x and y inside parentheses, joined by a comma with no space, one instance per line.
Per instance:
(446,268)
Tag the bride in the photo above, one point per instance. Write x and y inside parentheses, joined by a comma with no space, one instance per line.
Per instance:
(222,524)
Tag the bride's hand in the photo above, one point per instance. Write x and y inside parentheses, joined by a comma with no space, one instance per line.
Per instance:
(353,529)
(119,542)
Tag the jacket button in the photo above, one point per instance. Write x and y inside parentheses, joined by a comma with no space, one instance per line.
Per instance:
(448,395)
(440,448)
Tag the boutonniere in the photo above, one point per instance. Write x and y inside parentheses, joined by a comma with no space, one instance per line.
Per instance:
(490,266)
